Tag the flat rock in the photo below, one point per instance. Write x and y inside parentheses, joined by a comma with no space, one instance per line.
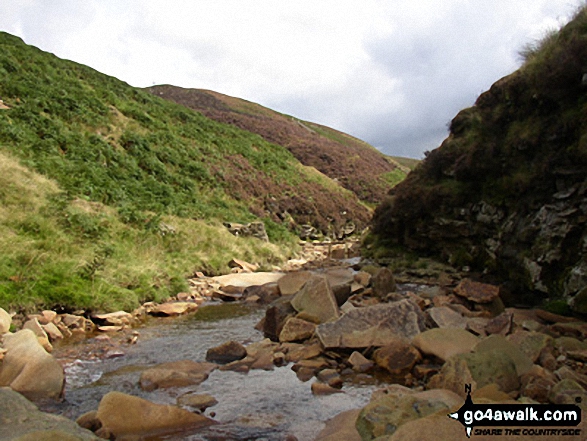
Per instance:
(373,326)
(173,309)
(22,420)
(197,401)
(175,374)
(445,343)
(317,299)
(296,330)
(477,292)
(445,317)
(244,280)
(28,368)
(125,415)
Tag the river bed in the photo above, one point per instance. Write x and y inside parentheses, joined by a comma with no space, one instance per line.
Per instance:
(259,405)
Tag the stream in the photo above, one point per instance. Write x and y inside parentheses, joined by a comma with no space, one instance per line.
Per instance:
(259,405)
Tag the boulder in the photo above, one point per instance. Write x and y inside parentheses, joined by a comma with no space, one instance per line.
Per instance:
(244,280)
(319,388)
(117,318)
(275,317)
(385,415)
(22,420)
(340,281)
(175,374)
(397,357)
(502,324)
(5,321)
(317,299)
(296,330)
(341,427)
(28,368)
(197,401)
(127,415)
(263,294)
(173,309)
(500,344)
(226,352)
(42,336)
(373,326)
(359,363)
(444,343)
(531,343)
(383,283)
(477,292)
(291,283)
(445,317)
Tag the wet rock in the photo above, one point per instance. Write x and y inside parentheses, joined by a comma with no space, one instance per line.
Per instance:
(175,374)
(5,321)
(126,415)
(385,415)
(341,427)
(296,330)
(397,357)
(359,363)
(477,292)
(319,388)
(444,317)
(383,282)
(317,299)
(373,326)
(173,309)
(197,401)
(27,368)
(226,352)
(21,419)
(292,282)
(445,343)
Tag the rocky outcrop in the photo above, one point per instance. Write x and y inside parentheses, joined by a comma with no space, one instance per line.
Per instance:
(28,368)
(505,192)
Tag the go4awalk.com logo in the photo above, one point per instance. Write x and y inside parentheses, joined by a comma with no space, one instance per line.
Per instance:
(518,419)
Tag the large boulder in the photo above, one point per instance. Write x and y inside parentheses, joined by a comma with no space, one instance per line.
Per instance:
(341,427)
(383,282)
(445,342)
(375,325)
(397,357)
(226,353)
(175,374)
(296,329)
(292,282)
(316,299)
(22,420)
(127,415)
(28,368)
(340,281)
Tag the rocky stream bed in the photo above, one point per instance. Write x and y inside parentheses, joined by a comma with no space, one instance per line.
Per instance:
(336,350)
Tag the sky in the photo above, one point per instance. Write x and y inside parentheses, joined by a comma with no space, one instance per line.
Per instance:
(390,72)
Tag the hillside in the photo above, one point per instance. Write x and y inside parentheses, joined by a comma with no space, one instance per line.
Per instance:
(128,191)
(505,192)
(356,165)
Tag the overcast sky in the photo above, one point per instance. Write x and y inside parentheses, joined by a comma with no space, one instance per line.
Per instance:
(392,73)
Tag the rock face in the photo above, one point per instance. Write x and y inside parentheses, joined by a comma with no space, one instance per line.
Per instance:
(20,419)
(373,326)
(316,299)
(124,415)
(27,368)
(506,190)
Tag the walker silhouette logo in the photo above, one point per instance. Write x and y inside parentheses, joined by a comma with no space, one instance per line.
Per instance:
(508,416)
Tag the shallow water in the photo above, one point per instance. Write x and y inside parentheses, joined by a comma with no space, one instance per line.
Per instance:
(260,405)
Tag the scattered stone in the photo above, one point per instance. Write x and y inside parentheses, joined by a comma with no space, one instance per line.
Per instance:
(373,326)
(46,317)
(197,401)
(125,415)
(226,352)
(383,283)
(28,368)
(397,357)
(445,317)
(359,363)
(296,330)
(445,343)
(317,299)
(173,309)
(477,292)
(175,374)
(22,420)
(324,389)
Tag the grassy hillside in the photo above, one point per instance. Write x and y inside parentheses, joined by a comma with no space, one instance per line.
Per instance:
(505,192)
(356,165)
(111,196)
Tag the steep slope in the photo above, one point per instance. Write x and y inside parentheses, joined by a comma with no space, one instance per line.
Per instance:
(106,141)
(356,165)
(506,191)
